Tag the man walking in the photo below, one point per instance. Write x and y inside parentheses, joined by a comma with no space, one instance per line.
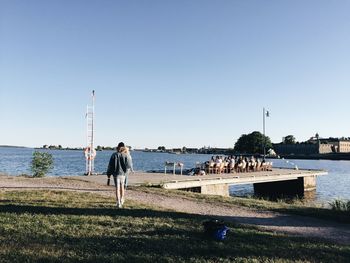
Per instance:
(119,166)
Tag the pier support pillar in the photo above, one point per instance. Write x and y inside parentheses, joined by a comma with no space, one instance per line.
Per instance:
(309,183)
(215,189)
(291,187)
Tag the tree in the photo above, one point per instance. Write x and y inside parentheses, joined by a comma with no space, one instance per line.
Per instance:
(41,163)
(252,143)
(161,148)
(289,139)
(99,148)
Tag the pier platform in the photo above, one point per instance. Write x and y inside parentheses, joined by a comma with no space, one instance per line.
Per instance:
(277,181)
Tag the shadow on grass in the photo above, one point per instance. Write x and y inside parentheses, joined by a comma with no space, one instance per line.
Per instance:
(170,245)
(191,245)
(137,213)
(166,244)
(280,220)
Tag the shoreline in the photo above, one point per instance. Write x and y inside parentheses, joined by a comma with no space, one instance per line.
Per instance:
(325,156)
(154,179)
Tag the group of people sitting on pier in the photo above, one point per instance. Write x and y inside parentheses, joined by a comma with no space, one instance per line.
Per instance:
(235,164)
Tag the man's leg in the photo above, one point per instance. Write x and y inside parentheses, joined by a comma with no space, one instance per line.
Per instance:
(117,190)
(117,195)
(122,189)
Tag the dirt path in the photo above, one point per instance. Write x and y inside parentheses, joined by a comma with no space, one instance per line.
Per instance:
(267,220)
(270,221)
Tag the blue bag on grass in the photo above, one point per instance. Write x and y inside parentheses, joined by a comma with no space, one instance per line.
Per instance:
(220,234)
(215,229)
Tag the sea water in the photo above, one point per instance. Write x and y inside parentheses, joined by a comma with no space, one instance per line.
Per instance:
(16,161)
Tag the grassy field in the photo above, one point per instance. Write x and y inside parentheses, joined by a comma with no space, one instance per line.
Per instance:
(48,226)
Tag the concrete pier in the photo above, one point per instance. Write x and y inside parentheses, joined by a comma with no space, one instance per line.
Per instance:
(277,181)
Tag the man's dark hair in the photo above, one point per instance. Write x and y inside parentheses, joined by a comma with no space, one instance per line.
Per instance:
(121,144)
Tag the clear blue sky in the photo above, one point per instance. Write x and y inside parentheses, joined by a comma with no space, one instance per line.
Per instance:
(173,73)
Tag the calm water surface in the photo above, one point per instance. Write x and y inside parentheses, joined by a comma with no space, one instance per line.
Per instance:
(15,161)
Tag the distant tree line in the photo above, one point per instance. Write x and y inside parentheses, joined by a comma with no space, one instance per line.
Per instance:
(252,143)
(53,147)
(104,148)
(59,147)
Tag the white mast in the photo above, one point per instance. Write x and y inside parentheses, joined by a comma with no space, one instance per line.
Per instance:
(90,152)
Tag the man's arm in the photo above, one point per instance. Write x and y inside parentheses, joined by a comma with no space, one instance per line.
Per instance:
(111,165)
(129,163)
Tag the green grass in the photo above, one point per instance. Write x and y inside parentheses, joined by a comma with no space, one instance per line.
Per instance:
(295,206)
(340,205)
(48,226)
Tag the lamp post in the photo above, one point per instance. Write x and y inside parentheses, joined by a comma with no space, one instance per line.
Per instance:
(266,113)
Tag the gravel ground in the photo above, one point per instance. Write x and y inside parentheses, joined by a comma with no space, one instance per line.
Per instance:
(266,220)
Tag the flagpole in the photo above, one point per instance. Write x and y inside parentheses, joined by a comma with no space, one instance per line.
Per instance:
(264,143)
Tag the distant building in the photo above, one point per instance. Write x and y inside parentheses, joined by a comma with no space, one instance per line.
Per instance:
(344,146)
(314,146)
